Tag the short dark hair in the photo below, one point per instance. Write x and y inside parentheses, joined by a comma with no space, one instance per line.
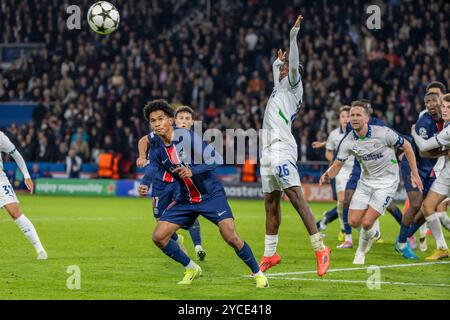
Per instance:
(438,85)
(430,94)
(187,109)
(362,104)
(156,105)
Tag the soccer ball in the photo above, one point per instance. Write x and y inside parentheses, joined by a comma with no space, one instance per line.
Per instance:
(103,17)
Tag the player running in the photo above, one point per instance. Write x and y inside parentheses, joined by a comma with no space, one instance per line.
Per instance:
(8,198)
(164,189)
(279,171)
(201,193)
(373,146)
(428,125)
(352,183)
(441,186)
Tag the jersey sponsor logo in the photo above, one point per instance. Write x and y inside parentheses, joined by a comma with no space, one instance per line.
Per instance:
(194,194)
(370,157)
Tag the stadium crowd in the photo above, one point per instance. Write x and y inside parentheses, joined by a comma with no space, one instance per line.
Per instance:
(91,89)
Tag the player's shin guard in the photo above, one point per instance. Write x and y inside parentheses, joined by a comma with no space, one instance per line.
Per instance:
(247,256)
(30,232)
(194,231)
(436,229)
(173,250)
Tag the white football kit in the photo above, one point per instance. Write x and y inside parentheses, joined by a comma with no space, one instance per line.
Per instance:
(279,148)
(7,194)
(380,172)
(332,144)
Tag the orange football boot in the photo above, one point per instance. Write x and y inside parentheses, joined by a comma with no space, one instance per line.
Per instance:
(268,262)
(323,261)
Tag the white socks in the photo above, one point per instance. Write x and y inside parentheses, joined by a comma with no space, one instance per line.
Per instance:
(191,265)
(340,211)
(436,229)
(364,238)
(30,232)
(445,220)
(316,242)
(270,245)
(423,231)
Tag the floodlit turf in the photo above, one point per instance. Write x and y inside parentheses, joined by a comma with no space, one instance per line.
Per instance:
(109,239)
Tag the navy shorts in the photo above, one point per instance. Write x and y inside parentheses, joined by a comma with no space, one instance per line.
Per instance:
(406,176)
(163,197)
(215,209)
(352,183)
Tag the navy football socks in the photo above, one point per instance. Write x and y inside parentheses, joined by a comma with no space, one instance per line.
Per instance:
(247,256)
(194,231)
(174,251)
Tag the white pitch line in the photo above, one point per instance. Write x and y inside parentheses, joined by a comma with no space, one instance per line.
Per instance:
(365,282)
(80,219)
(360,268)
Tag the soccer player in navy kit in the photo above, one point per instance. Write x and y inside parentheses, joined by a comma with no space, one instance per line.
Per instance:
(201,192)
(163,187)
(429,124)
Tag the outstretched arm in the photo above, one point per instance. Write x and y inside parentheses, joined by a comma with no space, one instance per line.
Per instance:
(422,144)
(294,56)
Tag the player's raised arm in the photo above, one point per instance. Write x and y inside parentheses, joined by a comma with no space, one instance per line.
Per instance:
(294,56)
(142,147)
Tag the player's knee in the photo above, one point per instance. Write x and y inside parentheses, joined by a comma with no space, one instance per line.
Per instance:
(366,224)
(159,239)
(14,211)
(354,222)
(415,205)
(428,208)
(232,240)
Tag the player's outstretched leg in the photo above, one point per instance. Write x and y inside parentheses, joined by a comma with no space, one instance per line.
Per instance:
(27,228)
(162,238)
(243,251)
(196,237)
(273,221)
(295,195)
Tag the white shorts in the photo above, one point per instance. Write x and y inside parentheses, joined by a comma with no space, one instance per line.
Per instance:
(442,184)
(377,197)
(7,194)
(341,180)
(278,174)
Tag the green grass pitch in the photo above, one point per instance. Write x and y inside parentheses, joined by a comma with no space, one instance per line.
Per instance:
(109,239)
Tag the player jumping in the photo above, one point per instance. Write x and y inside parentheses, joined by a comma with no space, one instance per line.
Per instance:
(279,171)
(201,193)
(8,198)
(164,189)
(373,146)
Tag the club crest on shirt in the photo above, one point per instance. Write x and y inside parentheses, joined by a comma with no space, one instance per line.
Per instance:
(423,133)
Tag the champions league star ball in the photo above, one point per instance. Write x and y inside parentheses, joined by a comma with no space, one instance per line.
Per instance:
(103,17)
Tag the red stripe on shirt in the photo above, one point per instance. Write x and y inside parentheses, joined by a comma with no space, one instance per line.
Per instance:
(194,195)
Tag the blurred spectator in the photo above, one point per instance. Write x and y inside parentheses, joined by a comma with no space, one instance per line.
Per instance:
(73,164)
